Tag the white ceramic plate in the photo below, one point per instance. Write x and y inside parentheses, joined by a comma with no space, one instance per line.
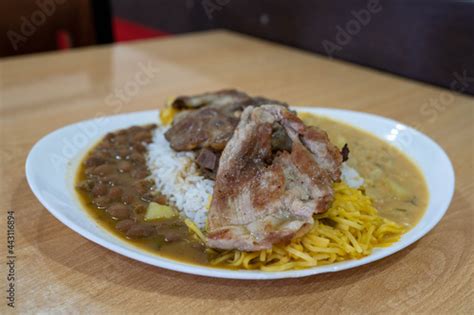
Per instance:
(53,161)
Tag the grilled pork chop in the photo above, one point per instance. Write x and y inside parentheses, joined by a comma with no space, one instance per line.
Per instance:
(262,197)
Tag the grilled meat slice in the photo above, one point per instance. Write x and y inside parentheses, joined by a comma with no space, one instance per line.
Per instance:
(262,198)
(213,120)
(207,127)
(216,99)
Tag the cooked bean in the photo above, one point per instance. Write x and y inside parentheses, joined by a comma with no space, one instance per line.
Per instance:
(94,161)
(140,173)
(138,147)
(101,202)
(115,193)
(107,145)
(118,211)
(139,208)
(124,166)
(122,140)
(89,171)
(172,235)
(112,180)
(100,190)
(135,129)
(142,186)
(124,225)
(123,152)
(137,157)
(104,169)
(102,154)
(128,197)
(140,230)
(141,136)
(109,136)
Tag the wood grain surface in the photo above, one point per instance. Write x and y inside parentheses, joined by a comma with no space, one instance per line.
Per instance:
(57,270)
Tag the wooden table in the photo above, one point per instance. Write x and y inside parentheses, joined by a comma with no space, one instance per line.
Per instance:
(59,270)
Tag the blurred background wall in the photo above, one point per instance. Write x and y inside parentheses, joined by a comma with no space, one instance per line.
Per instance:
(426,40)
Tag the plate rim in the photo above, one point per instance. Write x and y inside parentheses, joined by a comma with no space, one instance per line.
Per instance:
(170,264)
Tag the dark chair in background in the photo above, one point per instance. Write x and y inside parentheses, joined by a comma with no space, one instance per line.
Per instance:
(43,25)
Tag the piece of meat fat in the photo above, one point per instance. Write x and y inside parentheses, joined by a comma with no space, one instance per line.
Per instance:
(260,200)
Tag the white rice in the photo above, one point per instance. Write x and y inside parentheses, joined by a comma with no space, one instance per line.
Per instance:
(177,177)
(351,177)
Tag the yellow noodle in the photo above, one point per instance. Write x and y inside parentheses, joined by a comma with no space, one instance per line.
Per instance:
(318,241)
(223,257)
(353,241)
(347,223)
(263,255)
(247,258)
(190,224)
(278,267)
(300,254)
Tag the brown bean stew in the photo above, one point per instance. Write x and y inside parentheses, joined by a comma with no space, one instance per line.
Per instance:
(113,184)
